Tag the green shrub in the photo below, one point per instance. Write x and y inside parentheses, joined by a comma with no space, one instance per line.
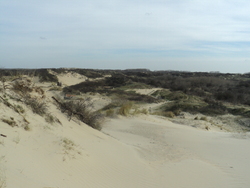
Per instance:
(45,76)
(135,85)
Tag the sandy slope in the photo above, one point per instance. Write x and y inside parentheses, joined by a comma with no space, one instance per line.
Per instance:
(135,152)
(69,78)
(143,151)
(186,157)
(39,159)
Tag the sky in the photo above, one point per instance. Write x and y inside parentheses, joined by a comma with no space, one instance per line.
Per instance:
(184,35)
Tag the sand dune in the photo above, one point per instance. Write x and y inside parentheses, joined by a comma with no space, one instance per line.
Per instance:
(184,156)
(143,151)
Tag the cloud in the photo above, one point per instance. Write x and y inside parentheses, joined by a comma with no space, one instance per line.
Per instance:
(165,28)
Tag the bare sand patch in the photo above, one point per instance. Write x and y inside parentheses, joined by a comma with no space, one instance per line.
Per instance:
(185,156)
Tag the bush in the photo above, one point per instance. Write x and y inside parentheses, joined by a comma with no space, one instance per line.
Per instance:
(50,119)
(21,87)
(132,96)
(82,111)
(214,109)
(178,107)
(116,80)
(38,107)
(45,76)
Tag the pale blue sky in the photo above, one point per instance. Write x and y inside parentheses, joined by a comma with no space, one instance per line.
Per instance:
(188,35)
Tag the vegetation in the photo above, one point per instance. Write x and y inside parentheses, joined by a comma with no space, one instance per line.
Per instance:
(125,108)
(38,107)
(10,122)
(194,92)
(81,109)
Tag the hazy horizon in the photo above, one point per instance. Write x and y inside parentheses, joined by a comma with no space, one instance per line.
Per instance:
(190,35)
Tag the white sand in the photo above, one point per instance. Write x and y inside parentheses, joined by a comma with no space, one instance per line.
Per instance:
(184,156)
(69,78)
(137,152)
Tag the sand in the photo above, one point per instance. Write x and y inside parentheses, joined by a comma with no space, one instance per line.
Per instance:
(184,156)
(142,151)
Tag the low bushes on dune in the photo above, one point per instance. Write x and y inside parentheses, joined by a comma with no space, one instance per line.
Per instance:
(81,109)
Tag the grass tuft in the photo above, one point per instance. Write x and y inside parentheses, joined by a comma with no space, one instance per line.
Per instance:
(110,113)
(38,107)
(125,108)
(10,122)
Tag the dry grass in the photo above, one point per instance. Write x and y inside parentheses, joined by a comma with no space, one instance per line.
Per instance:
(168,114)
(50,119)
(19,109)
(68,144)
(143,111)
(203,118)
(110,113)
(81,109)
(10,121)
(69,149)
(55,88)
(27,128)
(38,107)
(125,108)
(21,87)
(140,111)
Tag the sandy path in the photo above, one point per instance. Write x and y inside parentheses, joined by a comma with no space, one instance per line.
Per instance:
(183,156)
